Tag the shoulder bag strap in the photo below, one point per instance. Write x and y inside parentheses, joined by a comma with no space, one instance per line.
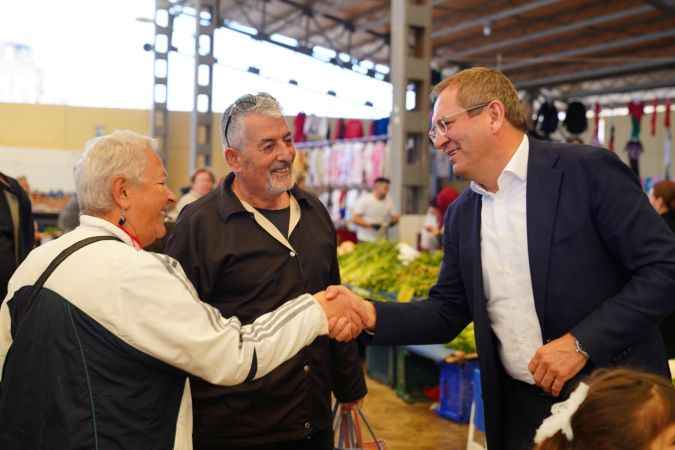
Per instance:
(57,261)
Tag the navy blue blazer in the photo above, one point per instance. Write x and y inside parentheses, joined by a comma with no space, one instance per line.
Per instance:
(602,264)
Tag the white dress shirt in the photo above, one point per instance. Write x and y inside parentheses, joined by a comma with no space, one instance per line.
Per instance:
(506,267)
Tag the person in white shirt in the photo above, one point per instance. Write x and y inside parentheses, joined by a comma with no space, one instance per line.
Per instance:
(431,228)
(374,213)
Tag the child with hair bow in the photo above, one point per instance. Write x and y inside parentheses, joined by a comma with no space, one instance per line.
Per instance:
(617,409)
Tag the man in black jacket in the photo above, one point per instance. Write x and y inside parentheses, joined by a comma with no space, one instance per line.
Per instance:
(247,247)
(16,229)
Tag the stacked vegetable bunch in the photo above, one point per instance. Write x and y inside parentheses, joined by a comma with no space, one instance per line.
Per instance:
(386,271)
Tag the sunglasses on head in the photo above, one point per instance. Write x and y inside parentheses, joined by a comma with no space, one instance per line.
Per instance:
(242,104)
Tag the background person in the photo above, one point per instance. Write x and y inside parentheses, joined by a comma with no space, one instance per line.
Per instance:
(374,212)
(662,198)
(201,183)
(431,228)
(17,236)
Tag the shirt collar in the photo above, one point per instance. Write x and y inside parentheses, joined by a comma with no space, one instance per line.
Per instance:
(517,166)
(99,224)
(229,203)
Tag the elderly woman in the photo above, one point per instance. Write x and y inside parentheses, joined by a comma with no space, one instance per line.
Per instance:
(97,335)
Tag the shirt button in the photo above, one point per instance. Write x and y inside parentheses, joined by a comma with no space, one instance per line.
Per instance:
(306,368)
(292,254)
(308,425)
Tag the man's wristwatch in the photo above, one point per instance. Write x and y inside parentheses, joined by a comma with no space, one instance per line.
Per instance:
(579,349)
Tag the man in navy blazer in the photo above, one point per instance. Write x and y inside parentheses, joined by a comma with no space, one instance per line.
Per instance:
(554,253)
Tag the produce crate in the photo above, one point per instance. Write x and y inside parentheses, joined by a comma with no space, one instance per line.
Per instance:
(479,413)
(381,363)
(417,368)
(456,390)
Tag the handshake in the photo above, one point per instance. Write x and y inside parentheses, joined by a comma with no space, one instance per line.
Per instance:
(347,313)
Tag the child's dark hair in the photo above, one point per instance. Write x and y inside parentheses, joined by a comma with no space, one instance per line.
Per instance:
(624,410)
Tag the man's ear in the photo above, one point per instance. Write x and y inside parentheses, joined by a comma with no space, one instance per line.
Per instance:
(233,159)
(119,192)
(497,114)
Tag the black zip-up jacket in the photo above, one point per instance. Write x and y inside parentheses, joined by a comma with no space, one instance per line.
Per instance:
(240,268)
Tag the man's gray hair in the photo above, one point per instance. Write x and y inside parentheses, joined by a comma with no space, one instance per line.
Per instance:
(121,153)
(261,103)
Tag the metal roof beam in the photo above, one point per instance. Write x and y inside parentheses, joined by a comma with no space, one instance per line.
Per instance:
(622,43)
(506,43)
(481,21)
(670,83)
(667,6)
(329,13)
(596,73)
(280,23)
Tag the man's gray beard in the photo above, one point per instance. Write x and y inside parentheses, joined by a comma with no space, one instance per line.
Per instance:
(277,188)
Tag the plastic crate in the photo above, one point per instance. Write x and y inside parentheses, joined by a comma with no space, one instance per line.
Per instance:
(381,363)
(456,388)
(414,374)
(479,414)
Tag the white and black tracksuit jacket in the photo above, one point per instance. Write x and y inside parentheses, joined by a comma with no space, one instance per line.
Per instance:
(100,360)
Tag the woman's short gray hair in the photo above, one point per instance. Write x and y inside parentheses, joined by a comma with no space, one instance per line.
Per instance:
(232,122)
(121,153)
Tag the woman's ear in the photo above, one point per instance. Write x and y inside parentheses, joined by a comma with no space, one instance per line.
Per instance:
(119,193)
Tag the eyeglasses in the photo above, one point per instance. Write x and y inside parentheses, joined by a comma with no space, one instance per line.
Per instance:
(242,104)
(444,124)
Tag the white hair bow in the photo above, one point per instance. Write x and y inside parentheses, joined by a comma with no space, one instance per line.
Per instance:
(561,416)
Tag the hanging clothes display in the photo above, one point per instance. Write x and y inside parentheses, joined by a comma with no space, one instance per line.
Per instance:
(299,127)
(596,125)
(339,131)
(612,135)
(380,127)
(667,141)
(353,129)
(315,128)
(575,118)
(547,120)
(634,146)
(655,104)
(346,163)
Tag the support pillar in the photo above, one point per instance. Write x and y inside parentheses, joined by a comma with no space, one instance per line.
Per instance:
(408,159)
(159,115)
(206,12)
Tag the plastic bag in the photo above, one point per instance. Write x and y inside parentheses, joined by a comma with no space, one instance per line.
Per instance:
(347,422)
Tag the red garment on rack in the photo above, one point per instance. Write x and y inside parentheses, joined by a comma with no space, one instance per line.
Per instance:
(299,124)
(353,129)
(636,109)
(666,119)
(656,103)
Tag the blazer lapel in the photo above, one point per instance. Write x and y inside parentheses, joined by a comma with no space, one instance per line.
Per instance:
(543,192)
